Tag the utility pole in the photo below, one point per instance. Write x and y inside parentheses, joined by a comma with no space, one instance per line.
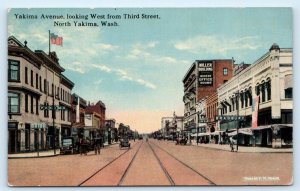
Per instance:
(238,121)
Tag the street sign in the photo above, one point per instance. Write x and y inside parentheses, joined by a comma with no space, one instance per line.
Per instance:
(229,118)
(52,107)
(37,125)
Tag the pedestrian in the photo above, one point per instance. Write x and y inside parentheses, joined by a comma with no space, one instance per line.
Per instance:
(83,146)
(231,144)
(97,146)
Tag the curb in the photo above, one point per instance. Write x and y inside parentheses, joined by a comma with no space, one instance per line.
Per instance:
(23,157)
(242,151)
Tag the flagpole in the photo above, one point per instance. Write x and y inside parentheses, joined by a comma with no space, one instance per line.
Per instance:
(49,44)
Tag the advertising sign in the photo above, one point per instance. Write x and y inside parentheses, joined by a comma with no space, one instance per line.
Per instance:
(205,73)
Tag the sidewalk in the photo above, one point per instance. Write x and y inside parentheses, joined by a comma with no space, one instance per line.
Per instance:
(49,153)
(244,149)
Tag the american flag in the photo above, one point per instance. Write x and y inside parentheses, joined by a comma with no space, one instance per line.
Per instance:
(55,39)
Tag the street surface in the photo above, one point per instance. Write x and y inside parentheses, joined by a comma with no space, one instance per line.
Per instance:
(156,163)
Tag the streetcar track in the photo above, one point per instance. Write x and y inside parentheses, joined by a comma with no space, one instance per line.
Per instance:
(162,166)
(126,171)
(91,176)
(203,176)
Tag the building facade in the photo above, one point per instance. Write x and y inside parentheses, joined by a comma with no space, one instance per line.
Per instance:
(262,94)
(202,80)
(35,83)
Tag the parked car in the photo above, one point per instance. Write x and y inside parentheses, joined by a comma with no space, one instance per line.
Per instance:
(140,137)
(67,145)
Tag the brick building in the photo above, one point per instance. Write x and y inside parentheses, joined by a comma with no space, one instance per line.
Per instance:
(201,81)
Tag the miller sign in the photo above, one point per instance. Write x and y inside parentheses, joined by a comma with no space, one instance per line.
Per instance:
(205,73)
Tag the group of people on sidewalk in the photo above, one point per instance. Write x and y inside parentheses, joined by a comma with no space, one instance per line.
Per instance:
(85,145)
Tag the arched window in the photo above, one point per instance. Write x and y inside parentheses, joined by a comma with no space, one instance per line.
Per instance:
(263,92)
(268,83)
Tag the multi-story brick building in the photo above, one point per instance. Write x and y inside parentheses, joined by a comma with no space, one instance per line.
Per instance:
(35,84)
(95,119)
(202,80)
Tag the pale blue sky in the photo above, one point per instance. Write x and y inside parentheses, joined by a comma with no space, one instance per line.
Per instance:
(139,65)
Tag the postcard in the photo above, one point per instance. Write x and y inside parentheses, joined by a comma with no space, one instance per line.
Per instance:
(150,96)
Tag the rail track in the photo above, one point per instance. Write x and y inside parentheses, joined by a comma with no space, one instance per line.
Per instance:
(110,163)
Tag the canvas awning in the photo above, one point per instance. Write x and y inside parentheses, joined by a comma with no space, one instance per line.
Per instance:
(200,134)
(244,131)
(216,132)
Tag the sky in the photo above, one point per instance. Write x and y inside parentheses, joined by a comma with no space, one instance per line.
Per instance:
(136,68)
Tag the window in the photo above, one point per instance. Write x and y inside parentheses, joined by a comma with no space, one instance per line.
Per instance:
(45,86)
(225,71)
(31,104)
(31,78)
(36,81)
(48,88)
(26,75)
(57,93)
(288,93)
(40,83)
(52,89)
(263,92)
(13,70)
(26,102)
(13,103)
(269,90)
(37,105)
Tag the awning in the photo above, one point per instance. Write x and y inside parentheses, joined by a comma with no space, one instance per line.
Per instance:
(244,131)
(216,132)
(261,127)
(200,134)
(270,126)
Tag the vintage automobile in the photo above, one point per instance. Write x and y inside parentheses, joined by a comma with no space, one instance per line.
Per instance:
(124,142)
(67,145)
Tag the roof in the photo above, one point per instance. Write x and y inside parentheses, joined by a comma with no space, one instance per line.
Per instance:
(66,81)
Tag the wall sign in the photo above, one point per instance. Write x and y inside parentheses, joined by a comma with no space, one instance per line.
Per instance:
(205,77)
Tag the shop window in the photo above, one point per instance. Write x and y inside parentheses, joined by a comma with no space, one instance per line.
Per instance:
(13,102)
(13,70)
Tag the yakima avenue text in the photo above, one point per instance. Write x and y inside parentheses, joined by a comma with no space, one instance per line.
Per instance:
(86,17)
